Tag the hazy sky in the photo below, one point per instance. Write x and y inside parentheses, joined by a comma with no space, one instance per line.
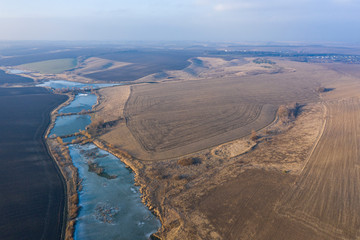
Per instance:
(201,20)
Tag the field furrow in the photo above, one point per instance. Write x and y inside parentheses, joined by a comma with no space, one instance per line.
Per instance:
(326,194)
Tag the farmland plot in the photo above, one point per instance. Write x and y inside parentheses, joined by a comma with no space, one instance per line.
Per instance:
(326,194)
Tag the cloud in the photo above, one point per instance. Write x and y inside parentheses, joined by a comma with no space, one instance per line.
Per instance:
(234,6)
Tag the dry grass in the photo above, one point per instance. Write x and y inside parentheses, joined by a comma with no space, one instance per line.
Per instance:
(242,190)
(214,200)
(325,195)
(112,102)
(233,148)
(189,127)
(207,67)
(171,119)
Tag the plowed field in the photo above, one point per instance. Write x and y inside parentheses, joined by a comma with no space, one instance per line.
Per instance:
(326,195)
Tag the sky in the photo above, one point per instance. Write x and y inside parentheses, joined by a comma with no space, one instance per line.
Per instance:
(178,20)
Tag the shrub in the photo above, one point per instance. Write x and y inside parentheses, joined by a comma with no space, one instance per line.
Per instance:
(288,113)
(99,126)
(95,126)
(321,90)
(263,60)
(253,135)
(59,139)
(268,132)
(189,161)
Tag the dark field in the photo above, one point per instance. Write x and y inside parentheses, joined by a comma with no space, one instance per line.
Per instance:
(144,63)
(12,78)
(54,53)
(32,190)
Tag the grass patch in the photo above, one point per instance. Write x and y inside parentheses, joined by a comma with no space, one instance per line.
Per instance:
(51,66)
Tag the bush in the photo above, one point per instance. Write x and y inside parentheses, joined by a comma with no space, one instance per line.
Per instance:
(268,132)
(99,126)
(59,139)
(158,173)
(181,177)
(95,126)
(263,60)
(253,135)
(189,161)
(321,90)
(288,113)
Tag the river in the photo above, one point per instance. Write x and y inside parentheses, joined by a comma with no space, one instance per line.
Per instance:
(110,203)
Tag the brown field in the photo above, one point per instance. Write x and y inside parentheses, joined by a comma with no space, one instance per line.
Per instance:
(206,67)
(297,181)
(191,200)
(112,108)
(325,195)
(143,63)
(92,65)
(175,118)
(184,126)
(95,65)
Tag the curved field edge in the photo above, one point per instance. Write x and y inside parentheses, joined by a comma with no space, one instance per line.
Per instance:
(188,197)
(264,116)
(177,135)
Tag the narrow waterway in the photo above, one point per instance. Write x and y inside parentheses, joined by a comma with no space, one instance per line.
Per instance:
(80,102)
(110,204)
(67,84)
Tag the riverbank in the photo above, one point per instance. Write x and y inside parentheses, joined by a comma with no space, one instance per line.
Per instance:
(137,167)
(61,156)
(67,158)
